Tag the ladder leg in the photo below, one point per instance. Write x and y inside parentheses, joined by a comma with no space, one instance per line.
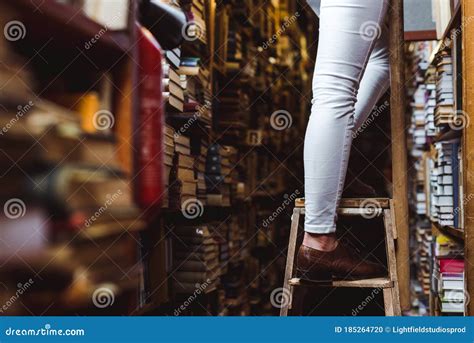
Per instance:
(397,311)
(388,302)
(290,260)
(392,263)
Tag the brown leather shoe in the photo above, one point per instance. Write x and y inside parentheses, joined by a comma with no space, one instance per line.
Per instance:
(341,263)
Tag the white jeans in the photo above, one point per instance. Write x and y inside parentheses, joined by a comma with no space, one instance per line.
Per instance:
(351,73)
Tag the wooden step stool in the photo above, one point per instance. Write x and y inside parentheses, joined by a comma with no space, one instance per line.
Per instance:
(369,208)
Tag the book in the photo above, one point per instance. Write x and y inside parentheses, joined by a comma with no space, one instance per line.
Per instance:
(148,176)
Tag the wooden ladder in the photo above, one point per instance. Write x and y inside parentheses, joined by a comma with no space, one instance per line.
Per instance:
(369,208)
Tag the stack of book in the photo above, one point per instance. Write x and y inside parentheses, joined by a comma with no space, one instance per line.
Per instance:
(196,12)
(419,183)
(196,260)
(214,178)
(232,188)
(226,169)
(220,232)
(234,50)
(430,102)
(200,170)
(198,98)
(233,104)
(424,238)
(173,92)
(169,149)
(444,110)
(204,94)
(189,66)
(418,117)
(448,276)
(446,187)
(184,182)
(194,98)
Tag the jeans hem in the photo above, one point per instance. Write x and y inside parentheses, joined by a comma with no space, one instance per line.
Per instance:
(320,229)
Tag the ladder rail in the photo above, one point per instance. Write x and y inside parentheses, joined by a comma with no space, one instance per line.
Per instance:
(399,148)
(290,263)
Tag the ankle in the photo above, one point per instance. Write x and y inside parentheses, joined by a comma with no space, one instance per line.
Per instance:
(322,242)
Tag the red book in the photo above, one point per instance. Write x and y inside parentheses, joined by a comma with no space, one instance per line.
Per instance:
(451,265)
(148,126)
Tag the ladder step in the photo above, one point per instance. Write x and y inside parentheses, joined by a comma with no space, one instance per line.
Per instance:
(384,282)
(379,203)
(366,212)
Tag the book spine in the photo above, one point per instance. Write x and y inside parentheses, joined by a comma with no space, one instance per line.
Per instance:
(455,170)
(148,167)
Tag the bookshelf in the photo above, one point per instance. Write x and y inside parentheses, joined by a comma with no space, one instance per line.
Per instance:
(68,174)
(467,9)
(238,182)
(439,189)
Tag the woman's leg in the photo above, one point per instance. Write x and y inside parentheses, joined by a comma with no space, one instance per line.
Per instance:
(375,81)
(349,30)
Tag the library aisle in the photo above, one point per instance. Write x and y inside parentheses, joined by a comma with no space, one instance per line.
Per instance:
(152,153)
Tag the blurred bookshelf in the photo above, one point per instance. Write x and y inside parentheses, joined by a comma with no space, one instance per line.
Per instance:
(81,233)
(438,159)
